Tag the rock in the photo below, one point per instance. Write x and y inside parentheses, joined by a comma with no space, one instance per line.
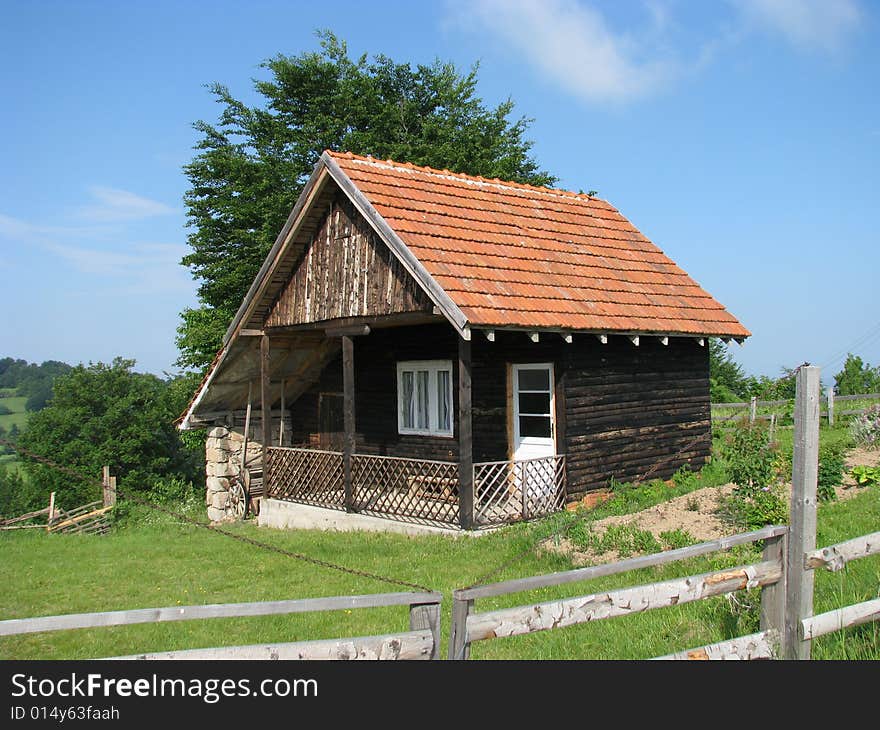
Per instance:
(218,432)
(218,500)
(216,515)
(217,484)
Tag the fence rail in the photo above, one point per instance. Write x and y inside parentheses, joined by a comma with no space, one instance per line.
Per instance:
(828,408)
(422,641)
(311,476)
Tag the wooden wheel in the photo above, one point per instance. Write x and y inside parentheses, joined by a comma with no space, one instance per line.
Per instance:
(236,502)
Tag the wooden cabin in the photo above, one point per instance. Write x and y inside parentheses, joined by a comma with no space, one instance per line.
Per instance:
(439,348)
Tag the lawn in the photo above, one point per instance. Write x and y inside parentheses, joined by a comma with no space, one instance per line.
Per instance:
(168,564)
(18,416)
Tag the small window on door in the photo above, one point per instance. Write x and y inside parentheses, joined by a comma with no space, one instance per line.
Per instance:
(424,397)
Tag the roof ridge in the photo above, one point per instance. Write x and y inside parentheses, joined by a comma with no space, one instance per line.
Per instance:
(445,173)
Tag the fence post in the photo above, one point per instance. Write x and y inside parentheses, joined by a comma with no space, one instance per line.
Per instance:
(802,536)
(51,516)
(426,616)
(109,484)
(773,596)
(459,647)
(829,392)
(753,409)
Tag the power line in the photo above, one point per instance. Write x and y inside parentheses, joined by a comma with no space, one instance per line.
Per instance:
(867,337)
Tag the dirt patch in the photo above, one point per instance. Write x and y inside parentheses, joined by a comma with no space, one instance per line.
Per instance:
(695,513)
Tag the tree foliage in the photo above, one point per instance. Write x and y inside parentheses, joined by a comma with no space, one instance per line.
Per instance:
(107,415)
(857,377)
(31,380)
(253,163)
(727,379)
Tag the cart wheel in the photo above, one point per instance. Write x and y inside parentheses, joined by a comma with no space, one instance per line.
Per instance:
(236,502)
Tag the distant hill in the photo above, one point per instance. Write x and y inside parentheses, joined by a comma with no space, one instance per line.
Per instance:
(33,382)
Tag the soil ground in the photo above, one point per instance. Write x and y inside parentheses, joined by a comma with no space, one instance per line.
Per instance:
(696,513)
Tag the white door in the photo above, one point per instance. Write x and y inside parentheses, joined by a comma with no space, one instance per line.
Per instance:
(534,429)
(534,433)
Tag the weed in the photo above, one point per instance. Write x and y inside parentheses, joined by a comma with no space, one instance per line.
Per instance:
(866,476)
(678,538)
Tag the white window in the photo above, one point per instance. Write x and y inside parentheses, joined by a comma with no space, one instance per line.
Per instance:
(424,397)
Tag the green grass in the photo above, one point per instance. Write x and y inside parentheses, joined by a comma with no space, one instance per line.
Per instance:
(18,417)
(175,564)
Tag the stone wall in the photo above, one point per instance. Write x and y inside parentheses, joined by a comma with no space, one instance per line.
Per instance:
(224,447)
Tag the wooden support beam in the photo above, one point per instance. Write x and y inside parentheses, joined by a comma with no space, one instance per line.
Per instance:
(247,425)
(360,330)
(603,339)
(251,333)
(634,339)
(265,404)
(281,421)
(490,335)
(465,438)
(348,417)
(534,336)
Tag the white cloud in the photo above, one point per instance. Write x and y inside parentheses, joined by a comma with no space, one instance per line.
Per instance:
(572,44)
(113,204)
(809,24)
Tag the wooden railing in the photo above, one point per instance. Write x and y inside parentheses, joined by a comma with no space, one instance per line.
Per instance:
(310,476)
(509,491)
(422,641)
(412,489)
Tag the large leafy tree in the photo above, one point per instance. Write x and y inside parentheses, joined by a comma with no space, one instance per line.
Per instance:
(107,415)
(857,377)
(727,379)
(253,163)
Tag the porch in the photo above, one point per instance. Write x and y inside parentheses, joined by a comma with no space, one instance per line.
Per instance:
(421,491)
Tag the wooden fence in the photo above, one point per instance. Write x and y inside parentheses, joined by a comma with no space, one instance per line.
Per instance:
(784,576)
(775,410)
(422,641)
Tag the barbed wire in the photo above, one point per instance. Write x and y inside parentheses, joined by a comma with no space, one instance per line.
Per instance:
(212,527)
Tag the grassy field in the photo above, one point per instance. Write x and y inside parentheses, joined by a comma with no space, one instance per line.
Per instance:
(19,415)
(167,564)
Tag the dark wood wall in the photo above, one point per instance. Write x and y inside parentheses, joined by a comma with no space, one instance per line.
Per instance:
(621,410)
(375,362)
(346,271)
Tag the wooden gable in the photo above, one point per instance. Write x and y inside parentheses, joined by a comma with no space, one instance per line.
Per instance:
(346,271)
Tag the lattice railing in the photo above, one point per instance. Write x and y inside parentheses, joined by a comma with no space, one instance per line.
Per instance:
(405,488)
(305,475)
(508,491)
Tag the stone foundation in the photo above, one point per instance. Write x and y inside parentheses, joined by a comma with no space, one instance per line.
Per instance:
(224,447)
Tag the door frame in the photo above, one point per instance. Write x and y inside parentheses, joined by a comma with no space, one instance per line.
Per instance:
(513,404)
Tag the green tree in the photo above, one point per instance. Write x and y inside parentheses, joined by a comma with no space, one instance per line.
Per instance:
(107,414)
(252,165)
(857,377)
(727,379)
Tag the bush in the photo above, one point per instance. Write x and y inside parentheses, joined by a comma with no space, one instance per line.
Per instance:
(831,468)
(865,428)
(750,457)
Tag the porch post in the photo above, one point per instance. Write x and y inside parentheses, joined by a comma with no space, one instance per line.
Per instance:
(465,438)
(265,405)
(348,417)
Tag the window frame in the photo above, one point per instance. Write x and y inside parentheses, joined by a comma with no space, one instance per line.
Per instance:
(432,367)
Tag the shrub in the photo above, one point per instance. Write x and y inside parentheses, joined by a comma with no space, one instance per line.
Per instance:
(865,428)
(831,468)
(866,476)
(750,457)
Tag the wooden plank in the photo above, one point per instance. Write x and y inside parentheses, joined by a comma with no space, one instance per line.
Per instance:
(599,571)
(835,557)
(348,418)
(763,645)
(247,425)
(622,602)
(866,396)
(411,645)
(841,618)
(26,516)
(356,331)
(12,627)
(802,539)
(465,436)
(77,520)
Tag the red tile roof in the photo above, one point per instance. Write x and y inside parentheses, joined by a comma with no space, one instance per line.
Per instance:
(512,255)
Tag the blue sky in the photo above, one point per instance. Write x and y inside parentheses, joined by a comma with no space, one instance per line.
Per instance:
(743,138)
